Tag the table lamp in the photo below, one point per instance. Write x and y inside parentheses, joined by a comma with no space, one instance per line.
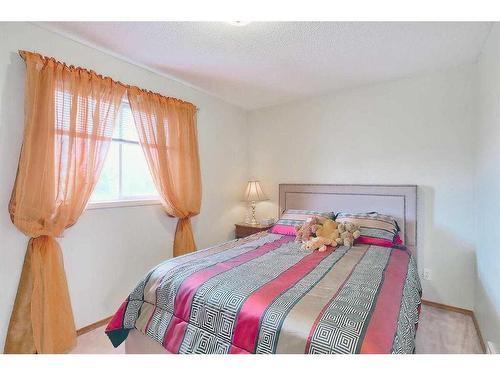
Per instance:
(254,194)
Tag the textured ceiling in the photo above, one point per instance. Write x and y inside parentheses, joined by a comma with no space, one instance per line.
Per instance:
(267,63)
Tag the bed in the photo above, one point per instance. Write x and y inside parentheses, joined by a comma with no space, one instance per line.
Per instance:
(265,294)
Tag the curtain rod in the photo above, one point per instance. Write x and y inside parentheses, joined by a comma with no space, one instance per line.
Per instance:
(23,53)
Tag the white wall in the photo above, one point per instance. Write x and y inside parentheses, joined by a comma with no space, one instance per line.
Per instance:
(487,294)
(108,250)
(411,131)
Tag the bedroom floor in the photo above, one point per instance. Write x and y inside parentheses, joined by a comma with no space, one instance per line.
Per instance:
(439,331)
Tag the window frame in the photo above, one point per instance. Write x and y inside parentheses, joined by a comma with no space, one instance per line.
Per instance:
(129,201)
(123,203)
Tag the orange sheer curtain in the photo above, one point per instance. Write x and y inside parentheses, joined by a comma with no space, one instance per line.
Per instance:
(69,118)
(168,135)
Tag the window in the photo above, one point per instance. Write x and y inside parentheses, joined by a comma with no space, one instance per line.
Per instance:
(125,177)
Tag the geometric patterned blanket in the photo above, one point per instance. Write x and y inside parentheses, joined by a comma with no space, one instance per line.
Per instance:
(264,294)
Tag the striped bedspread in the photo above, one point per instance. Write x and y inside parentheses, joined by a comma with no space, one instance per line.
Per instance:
(264,294)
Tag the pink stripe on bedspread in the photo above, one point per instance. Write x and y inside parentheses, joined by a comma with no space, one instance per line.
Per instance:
(182,308)
(116,321)
(383,324)
(175,334)
(236,350)
(248,320)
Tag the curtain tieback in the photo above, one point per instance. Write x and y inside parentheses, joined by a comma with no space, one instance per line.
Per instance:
(184,239)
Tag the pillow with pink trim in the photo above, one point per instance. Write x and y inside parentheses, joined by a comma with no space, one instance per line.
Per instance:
(290,218)
(376,229)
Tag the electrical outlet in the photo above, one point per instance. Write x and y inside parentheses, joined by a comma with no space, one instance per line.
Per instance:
(427,274)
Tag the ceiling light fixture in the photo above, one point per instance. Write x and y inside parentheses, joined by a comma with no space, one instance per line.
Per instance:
(238,23)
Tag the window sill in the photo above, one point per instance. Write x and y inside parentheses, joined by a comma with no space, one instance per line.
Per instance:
(124,203)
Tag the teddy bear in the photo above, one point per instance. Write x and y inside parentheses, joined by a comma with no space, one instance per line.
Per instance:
(319,243)
(348,233)
(328,229)
(326,234)
(308,229)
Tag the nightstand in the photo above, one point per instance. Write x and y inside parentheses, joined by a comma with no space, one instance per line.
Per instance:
(244,229)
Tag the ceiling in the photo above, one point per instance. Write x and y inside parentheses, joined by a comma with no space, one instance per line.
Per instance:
(267,63)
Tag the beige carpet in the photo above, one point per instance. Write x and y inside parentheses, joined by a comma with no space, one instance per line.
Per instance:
(439,331)
(446,332)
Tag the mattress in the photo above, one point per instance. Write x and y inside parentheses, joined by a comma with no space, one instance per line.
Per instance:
(265,294)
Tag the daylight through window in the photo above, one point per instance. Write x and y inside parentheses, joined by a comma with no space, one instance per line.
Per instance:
(125,175)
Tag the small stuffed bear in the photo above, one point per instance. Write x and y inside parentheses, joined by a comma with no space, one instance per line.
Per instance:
(326,234)
(319,243)
(328,229)
(308,229)
(348,233)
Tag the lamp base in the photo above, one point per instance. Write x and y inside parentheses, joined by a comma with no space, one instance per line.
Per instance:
(253,220)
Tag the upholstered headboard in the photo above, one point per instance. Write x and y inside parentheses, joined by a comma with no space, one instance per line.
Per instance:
(399,201)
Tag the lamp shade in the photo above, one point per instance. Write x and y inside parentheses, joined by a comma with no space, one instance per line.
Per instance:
(254,193)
